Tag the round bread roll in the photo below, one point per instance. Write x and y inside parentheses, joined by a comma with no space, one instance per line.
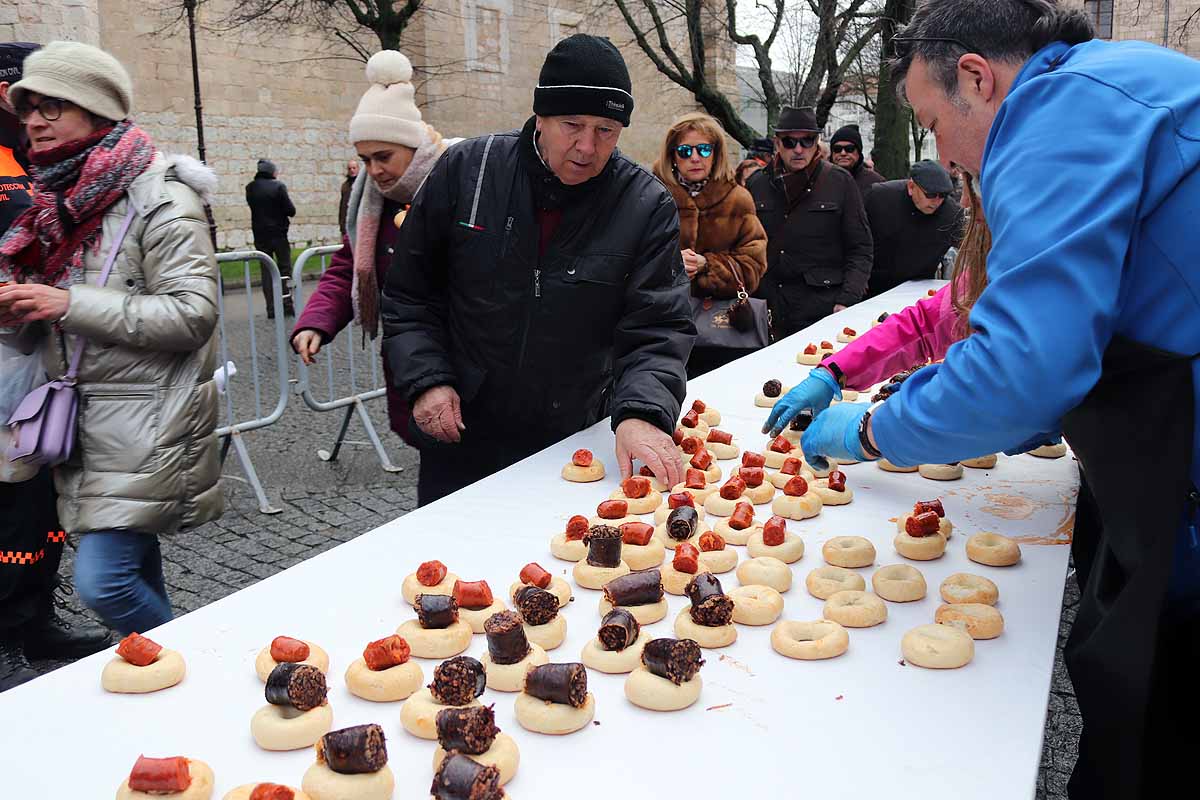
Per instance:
(824,582)
(983,462)
(557,719)
(937,647)
(941,472)
(645,614)
(639,505)
(645,689)
(755,605)
(547,636)
(920,548)
(962,587)
(567,549)
(201,787)
(764,571)
(264,663)
(385,685)
(673,581)
(322,783)
(898,583)
(591,577)
(577,474)
(511,677)
(614,662)
(281,728)
(503,755)
(888,466)
(732,535)
(419,713)
(718,562)
(853,609)
(1049,451)
(850,552)
(166,670)
(558,587)
(244,791)
(436,642)
(475,617)
(979,620)
(810,641)
(945,526)
(791,551)
(707,637)
(411,587)
(993,550)
(804,507)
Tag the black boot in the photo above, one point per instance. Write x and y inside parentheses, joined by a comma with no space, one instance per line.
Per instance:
(52,636)
(14,669)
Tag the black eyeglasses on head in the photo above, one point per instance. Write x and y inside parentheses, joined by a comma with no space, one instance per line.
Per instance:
(790,142)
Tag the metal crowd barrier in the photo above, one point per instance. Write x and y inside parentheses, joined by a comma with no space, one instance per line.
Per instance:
(235,422)
(364,386)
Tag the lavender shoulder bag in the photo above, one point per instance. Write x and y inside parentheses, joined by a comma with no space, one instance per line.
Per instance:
(43,424)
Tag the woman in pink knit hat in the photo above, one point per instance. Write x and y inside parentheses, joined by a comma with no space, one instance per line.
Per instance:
(397,150)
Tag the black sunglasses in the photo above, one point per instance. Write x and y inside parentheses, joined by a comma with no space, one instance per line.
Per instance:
(790,142)
(843,148)
(50,108)
(685,150)
(904,44)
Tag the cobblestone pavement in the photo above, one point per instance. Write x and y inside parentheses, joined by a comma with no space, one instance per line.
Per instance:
(324,504)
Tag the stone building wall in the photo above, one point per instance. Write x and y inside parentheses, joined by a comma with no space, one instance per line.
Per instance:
(276,94)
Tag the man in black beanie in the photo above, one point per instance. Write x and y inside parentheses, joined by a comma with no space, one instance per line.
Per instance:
(537,288)
(846,150)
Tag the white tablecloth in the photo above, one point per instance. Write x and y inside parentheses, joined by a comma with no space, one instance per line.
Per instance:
(860,725)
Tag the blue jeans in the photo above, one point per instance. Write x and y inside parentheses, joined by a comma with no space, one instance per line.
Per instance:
(118,574)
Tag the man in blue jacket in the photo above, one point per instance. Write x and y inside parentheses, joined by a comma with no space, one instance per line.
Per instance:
(1090,325)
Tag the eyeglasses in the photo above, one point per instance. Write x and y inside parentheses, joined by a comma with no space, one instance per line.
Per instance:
(50,108)
(790,142)
(685,150)
(843,148)
(904,44)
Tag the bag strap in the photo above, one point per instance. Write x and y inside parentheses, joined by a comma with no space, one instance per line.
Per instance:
(737,274)
(104,273)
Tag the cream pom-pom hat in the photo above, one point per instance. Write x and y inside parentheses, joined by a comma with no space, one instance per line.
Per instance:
(388,112)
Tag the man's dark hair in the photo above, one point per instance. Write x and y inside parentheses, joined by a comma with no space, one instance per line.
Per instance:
(1011,31)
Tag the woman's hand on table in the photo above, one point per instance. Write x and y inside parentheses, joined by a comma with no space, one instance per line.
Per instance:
(32,302)
(813,393)
(638,439)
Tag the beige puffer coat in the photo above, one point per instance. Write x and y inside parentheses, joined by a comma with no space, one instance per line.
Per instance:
(146,457)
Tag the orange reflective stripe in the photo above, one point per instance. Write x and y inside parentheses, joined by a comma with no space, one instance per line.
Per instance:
(56,536)
(17,557)
(9,168)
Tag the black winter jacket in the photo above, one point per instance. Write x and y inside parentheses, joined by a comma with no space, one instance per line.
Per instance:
(819,253)
(270,206)
(909,245)
(539,348)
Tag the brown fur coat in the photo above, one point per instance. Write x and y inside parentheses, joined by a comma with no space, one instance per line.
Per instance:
(720,224)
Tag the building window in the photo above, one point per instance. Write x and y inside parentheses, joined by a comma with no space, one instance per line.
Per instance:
(1100,12)
(485,34)
(563,23)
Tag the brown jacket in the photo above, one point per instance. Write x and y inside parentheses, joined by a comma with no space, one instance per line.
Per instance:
(721,224)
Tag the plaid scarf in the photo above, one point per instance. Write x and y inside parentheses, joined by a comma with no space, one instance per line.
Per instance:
(73,185)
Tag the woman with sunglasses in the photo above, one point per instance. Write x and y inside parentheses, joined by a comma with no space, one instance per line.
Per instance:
(723,242)
(818,240)
(141,340)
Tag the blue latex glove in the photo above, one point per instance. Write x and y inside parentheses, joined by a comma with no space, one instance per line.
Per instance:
(1034,442)
(834,433)
(814,392)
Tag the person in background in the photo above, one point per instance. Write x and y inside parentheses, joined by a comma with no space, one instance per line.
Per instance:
(1089,162)
(818,239)
(538,288)
(31,540)
(846,150)
(913,223)
(397,150)
(271,211)
(719,231)
(146,461)
(347,186)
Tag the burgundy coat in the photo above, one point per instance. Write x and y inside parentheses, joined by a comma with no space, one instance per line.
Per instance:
(329,309)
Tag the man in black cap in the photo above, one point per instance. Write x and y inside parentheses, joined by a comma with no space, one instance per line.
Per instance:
(31,543)
(846,150)
(271,210)
(818,240)
(913,224)
(537,288)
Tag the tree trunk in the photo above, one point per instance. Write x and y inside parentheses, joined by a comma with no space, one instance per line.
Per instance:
(892,133)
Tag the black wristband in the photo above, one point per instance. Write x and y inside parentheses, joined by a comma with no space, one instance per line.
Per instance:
(864,439)
(836,372)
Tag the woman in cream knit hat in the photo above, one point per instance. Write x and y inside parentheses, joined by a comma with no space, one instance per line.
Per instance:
(397,150)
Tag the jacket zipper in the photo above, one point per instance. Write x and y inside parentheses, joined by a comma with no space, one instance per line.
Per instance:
(537,293)
(1193,517)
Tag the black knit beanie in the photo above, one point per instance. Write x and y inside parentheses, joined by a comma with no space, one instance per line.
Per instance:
(848,133)
(584,75)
